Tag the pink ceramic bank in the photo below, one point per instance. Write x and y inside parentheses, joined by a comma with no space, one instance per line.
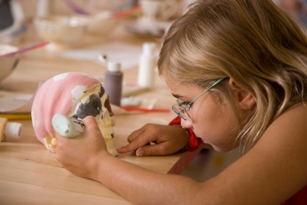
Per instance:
(75,95)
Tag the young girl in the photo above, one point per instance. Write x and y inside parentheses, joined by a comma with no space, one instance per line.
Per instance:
(238,69)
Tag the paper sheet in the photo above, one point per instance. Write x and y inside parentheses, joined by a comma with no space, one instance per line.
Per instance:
(16,104)
(125,54)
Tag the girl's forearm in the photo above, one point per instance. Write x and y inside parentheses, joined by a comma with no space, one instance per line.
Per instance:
(141,186)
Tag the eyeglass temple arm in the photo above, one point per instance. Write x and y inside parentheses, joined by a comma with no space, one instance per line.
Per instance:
(209,88)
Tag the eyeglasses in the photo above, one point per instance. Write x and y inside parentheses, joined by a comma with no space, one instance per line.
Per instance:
(181,110)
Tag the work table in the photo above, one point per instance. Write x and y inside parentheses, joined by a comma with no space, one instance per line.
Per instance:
(30,174)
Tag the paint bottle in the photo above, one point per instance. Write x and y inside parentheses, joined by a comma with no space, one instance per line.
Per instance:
(147,66)
(113,81)
(67,126)
(44,8)
(9,129)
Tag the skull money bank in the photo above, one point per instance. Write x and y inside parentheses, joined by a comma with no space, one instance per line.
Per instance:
(73,94)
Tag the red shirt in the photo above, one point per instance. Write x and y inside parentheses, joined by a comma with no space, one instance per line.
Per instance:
(194,142)
(300,198)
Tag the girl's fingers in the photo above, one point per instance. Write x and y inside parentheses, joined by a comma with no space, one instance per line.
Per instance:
(148,150)
(133,145)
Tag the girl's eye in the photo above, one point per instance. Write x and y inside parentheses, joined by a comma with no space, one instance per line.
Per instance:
(185,103)
(188,106)
(182,103)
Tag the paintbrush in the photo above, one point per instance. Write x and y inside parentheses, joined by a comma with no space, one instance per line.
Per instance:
(23,50)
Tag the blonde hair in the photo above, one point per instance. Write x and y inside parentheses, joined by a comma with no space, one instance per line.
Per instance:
(253,42)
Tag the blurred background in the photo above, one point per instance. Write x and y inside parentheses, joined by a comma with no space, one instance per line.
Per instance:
(98,16)
(296,8)
(72,25)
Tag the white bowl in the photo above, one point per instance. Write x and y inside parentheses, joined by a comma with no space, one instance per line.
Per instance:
(101,23)
(61,31)
(7,64)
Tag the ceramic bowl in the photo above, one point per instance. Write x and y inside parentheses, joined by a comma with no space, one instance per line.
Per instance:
(101,23)
(7,64)
(61,31)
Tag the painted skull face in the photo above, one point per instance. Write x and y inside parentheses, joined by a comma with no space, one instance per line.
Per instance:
(73,94)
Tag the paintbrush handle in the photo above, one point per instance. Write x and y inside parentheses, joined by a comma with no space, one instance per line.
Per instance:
(23,50)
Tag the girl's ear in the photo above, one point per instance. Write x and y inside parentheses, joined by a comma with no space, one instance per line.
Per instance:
(244,98)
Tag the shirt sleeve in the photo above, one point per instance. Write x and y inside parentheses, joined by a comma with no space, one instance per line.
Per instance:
(194,141)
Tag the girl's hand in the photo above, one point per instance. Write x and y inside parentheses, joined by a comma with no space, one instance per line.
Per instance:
(80,155)
(153,139)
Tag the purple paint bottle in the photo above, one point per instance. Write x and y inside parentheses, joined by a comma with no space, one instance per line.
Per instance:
(113,82)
